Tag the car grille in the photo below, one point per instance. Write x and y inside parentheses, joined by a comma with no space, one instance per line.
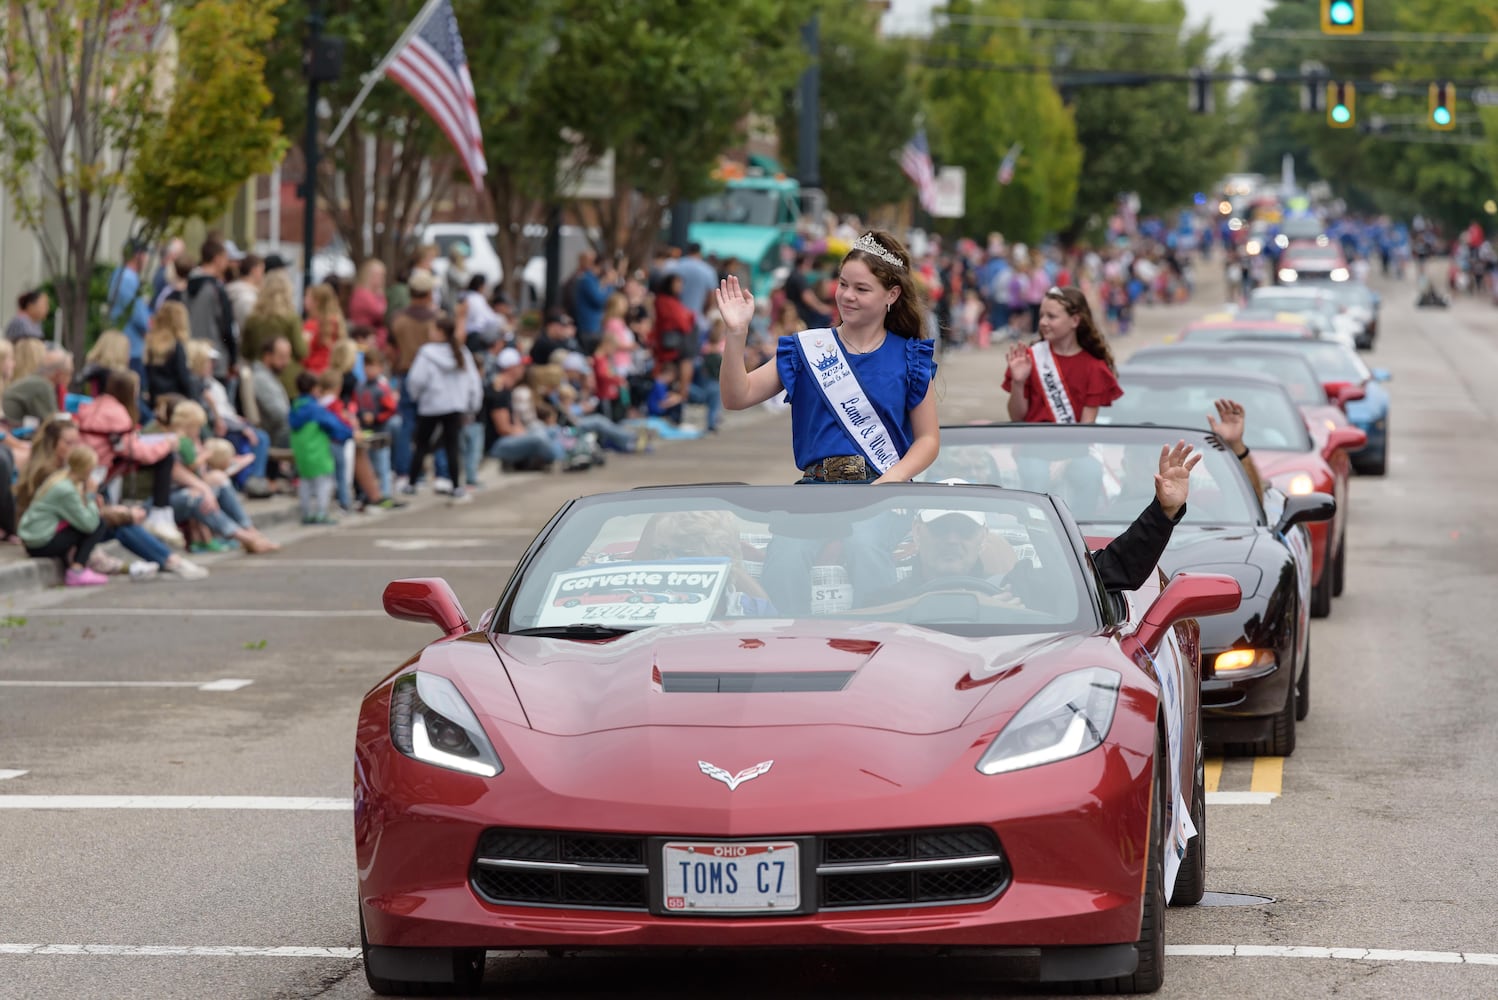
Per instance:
(595,871)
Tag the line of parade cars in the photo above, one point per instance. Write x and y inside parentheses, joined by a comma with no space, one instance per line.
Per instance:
(1003,763)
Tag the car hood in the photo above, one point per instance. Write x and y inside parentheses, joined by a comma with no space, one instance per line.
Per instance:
(757,673)
(1203,549)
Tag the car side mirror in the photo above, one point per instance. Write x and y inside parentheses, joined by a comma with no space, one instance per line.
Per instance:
(1306,508)
(1344,437)
(426,599)
(1188,595)
(1382,375)
(1343,393)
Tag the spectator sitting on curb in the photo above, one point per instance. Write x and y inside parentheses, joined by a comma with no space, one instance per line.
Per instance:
(62,521)
(31,399)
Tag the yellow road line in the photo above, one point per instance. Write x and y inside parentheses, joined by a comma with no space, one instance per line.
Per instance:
(1269,775)
(1213,766)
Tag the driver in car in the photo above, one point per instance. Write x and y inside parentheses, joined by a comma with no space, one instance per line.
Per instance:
(954,543)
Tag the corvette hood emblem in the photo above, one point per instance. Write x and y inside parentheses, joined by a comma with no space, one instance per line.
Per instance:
(734,780)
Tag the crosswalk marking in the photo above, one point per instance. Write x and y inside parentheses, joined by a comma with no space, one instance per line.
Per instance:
(1213,769)
(1243,781)
(1269,774)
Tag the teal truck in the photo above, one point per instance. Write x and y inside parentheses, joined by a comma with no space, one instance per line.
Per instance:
(752,219)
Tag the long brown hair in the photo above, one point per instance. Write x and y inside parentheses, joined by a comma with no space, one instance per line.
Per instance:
(125,387)
(1088,337)
(44,461)
(907,315)
(169,327)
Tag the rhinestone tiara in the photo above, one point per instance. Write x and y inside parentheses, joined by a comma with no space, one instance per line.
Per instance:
(869,245)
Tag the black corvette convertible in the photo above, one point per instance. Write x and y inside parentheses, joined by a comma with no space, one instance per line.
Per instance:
(1255,661)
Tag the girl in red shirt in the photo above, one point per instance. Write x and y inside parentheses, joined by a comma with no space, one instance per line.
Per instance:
(1075,356)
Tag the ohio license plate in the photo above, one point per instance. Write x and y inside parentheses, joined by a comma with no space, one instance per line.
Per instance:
(761,877)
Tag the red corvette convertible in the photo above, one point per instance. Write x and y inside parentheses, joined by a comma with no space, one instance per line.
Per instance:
(958,743)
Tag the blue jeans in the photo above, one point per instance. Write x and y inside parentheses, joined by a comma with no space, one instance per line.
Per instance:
(341,472)
(470,450)
(379,458)
(260,449)
(711,394)
(526,447)
(138,541)
(403,428)
(226,522)
(610,434)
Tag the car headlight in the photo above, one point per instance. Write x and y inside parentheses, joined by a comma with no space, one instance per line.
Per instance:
(1288,274)
(1299,485)
(1340,274)
(1068,717)
(1239,660)
(430,722)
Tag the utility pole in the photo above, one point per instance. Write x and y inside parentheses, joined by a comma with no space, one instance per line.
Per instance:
(322,62)
(808,134)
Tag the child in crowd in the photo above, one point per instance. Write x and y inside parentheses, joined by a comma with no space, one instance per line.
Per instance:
(63,521)
(379,407)
(330,386)
(211,525)
(314,433)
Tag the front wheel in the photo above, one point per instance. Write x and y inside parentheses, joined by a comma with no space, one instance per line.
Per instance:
(1191,880)
(1149,974)
(1339,567)
(1321,590)
(441,971)
(1303,688)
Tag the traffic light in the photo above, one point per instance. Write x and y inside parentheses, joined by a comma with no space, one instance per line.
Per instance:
(1442,107)
(1200,98)
(1341,105)
(1342,17)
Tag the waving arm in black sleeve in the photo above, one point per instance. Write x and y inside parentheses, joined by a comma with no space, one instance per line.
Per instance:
(1128,561)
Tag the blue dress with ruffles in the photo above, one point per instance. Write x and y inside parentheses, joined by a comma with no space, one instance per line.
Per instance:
(896,378)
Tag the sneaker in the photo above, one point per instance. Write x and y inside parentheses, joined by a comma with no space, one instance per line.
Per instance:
(83,577)
(460,495)
(185,568)
(390,503)
(104,563)
(406,489)
(213,545)
(142,570)
(443,485)
(162,523)
(257,488)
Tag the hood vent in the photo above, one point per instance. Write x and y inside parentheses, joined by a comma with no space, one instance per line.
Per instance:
(751,682)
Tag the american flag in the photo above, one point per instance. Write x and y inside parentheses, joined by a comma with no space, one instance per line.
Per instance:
(1006,167)
(432,67)
(915,160)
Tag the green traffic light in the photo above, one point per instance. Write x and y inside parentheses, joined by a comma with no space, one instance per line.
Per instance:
(1441,116)
(1341,12)
(1340,114)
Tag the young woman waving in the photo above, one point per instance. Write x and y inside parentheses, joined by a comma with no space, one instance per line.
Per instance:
(1069,374)
(861,404)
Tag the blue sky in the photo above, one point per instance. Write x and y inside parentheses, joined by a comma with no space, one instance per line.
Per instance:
(1230,19)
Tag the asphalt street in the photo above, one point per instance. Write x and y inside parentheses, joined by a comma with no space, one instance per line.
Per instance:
(1373,845)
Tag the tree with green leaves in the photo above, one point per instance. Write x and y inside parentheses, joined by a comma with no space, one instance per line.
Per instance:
(82,95)
(976,112)
(216,134)
(392,165)
(869,103)
(668,88)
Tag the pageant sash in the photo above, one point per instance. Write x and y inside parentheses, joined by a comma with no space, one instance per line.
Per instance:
(1051,384)
(849,403)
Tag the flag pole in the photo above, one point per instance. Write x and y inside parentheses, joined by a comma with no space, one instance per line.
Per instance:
(373,76)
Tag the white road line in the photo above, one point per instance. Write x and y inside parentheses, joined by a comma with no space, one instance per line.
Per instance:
(7,775)
(226,684)
(1340,954)
(258,803)
(421,564)
(1174,950)
(44,613)
(1240,798)
(178,951)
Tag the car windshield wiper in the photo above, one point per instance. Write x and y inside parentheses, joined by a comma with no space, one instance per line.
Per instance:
(579,631)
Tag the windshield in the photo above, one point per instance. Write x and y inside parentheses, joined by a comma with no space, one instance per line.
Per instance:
(1102,482)
(1218,334)
(1273,422)
(1290,371)
(740,206)
(1293,304)
(968,561)
(1334,362)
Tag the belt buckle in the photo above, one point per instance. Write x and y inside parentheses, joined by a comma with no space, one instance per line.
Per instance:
(844,468)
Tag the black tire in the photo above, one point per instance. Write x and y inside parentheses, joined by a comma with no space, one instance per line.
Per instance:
(1281,741)
(1191,880)
(1149,974)
(1303,688)
(1379,466)
(1339,567)
(467,973)
(1321,592)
